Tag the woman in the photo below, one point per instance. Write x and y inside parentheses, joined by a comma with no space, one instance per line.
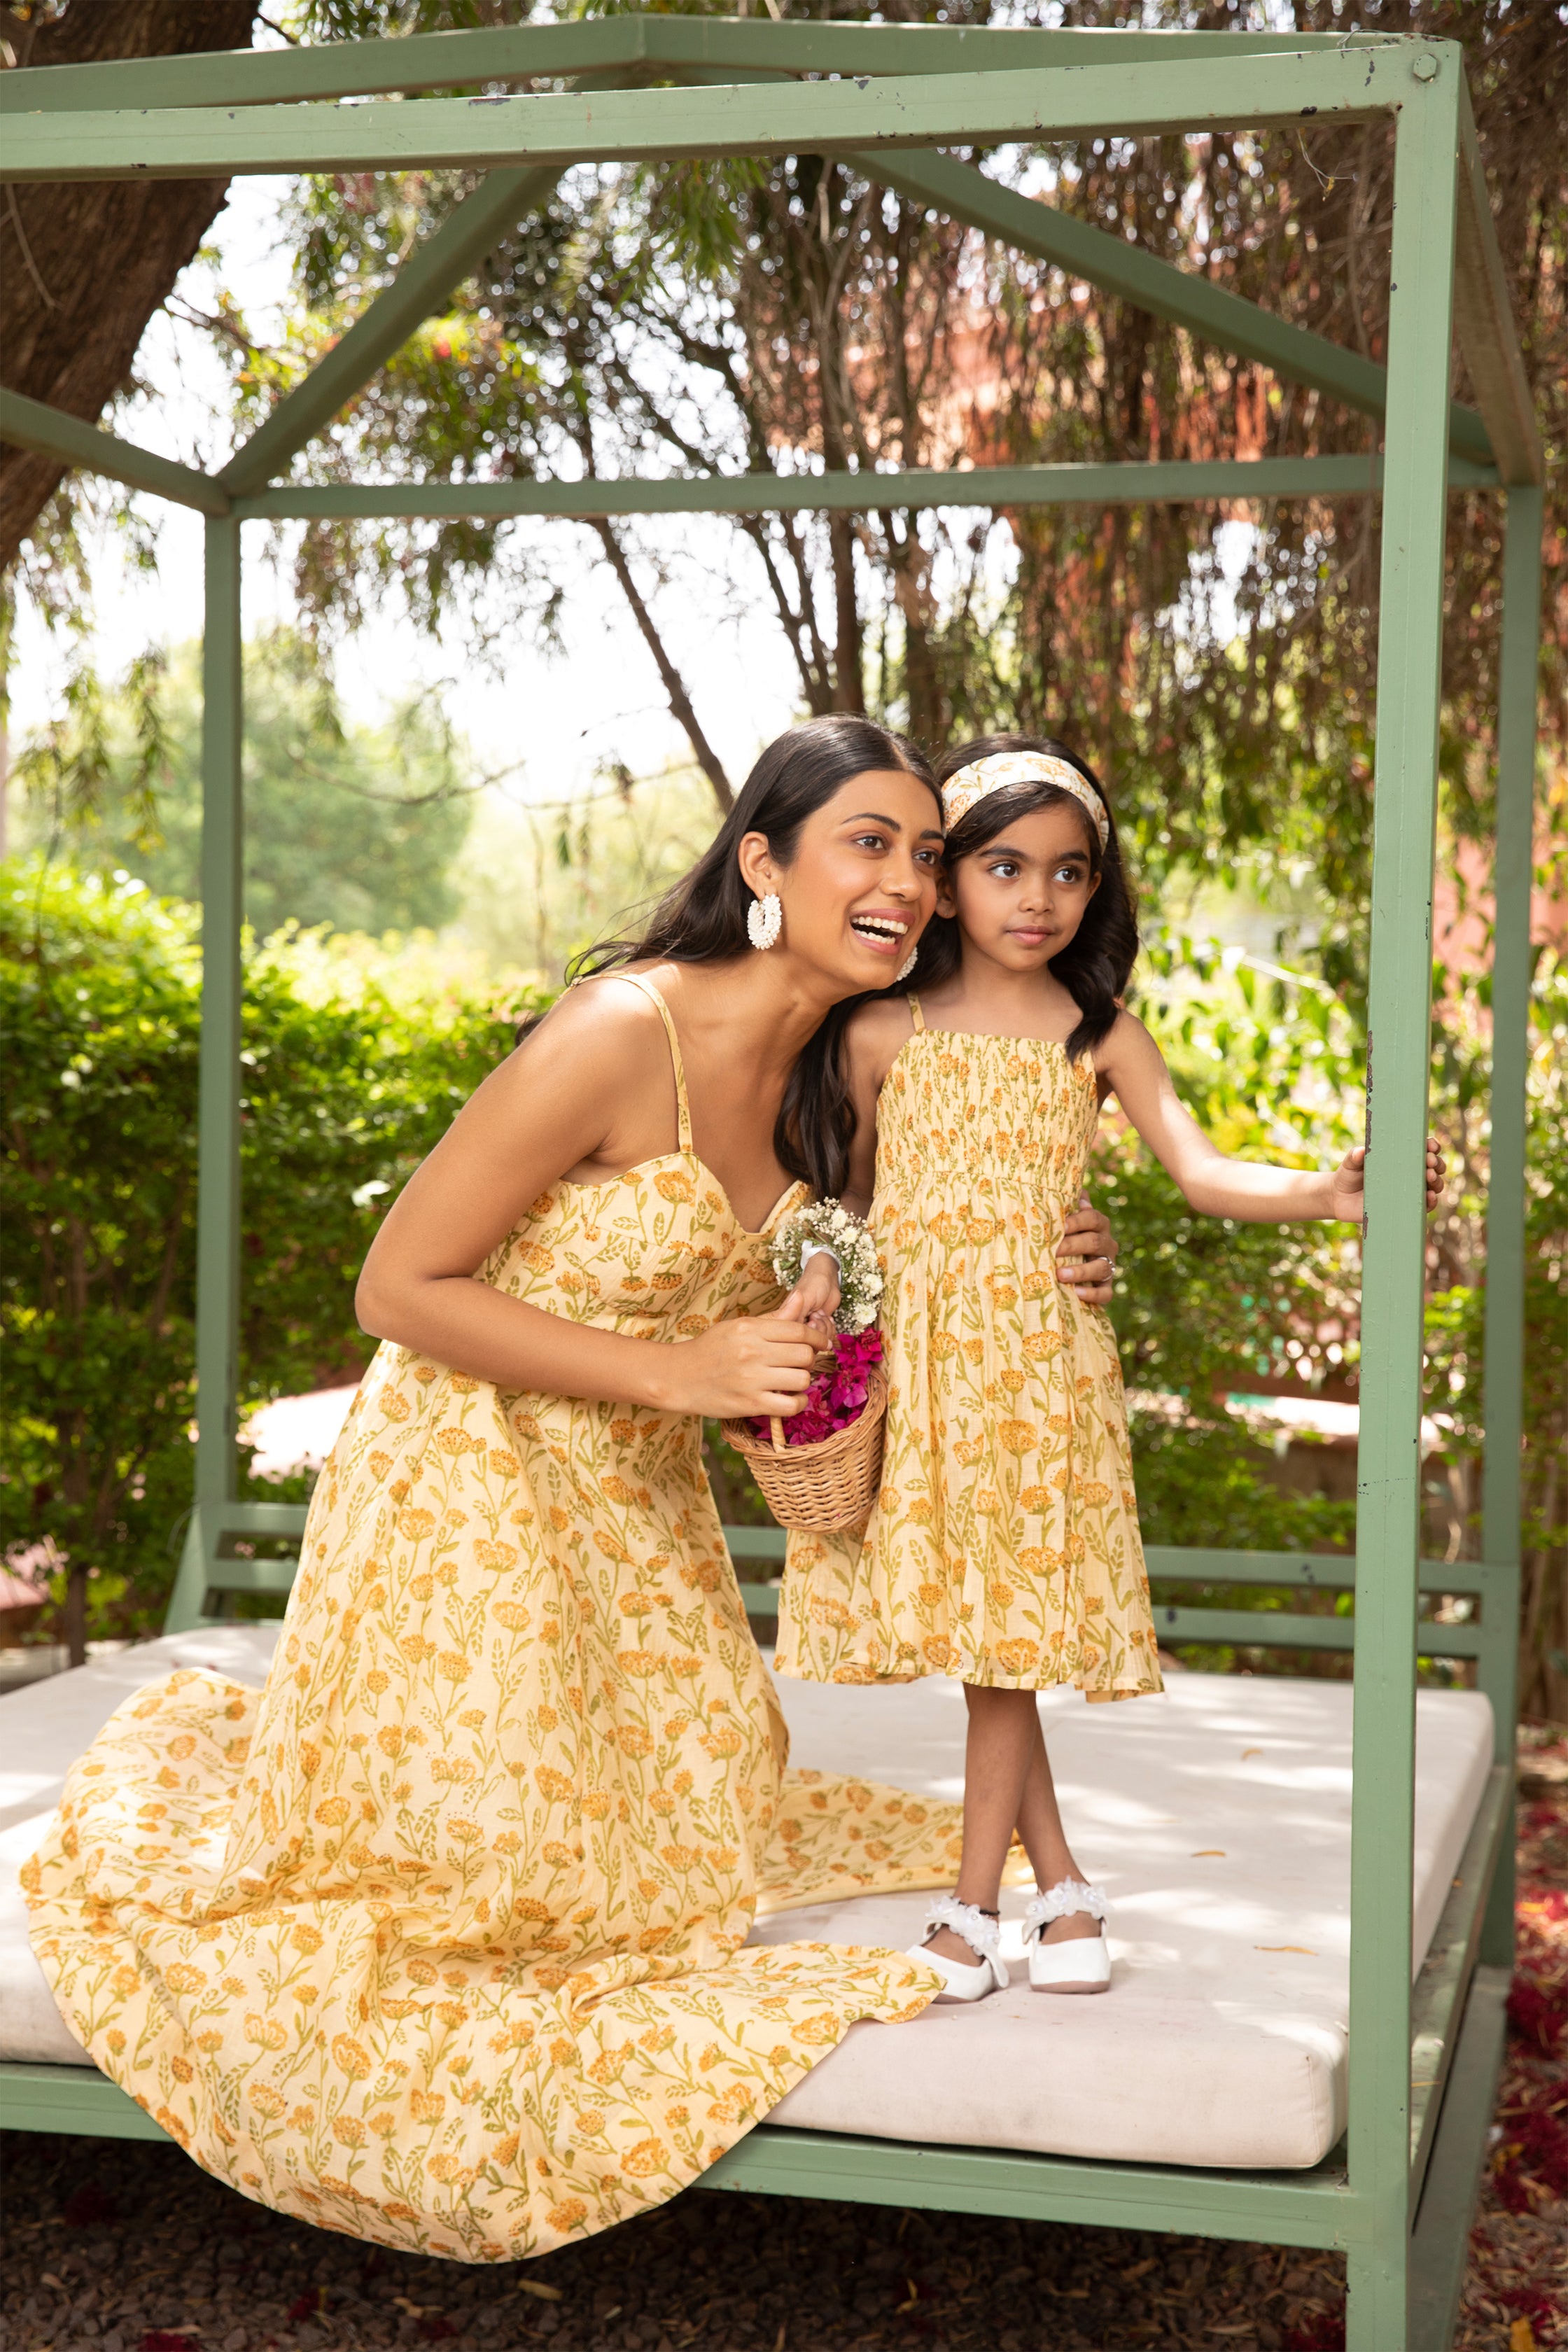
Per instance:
(436,1940)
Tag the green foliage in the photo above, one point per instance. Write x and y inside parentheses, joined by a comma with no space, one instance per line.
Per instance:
(352,1073)
(348,825)
(99,997)
(721,317)
(1456,1316)
(1266,1060)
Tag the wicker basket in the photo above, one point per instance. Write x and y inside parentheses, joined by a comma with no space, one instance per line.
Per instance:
(826,1486)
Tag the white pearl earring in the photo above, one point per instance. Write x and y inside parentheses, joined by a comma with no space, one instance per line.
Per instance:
(764,920)
(908,965)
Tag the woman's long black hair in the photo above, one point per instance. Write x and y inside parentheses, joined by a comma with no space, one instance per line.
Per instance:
(703,919)
(1096,967)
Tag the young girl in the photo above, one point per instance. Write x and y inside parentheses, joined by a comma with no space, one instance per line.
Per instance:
(1004,1547)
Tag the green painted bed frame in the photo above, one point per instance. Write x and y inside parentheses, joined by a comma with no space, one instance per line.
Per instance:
(1398,2194)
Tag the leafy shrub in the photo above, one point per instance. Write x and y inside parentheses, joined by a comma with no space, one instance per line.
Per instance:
(353,1073)
(100,1001)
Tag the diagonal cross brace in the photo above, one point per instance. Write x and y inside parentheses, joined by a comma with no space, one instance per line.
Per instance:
(937,181)
(424,282)
(1182,297)
(32,424)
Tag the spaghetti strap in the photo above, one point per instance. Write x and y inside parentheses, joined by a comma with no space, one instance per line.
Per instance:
(916,1015)
(682,1109)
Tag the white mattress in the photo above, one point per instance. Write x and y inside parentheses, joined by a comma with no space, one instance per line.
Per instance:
(1217,1817)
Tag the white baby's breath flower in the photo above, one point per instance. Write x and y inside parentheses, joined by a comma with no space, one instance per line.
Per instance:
(859,1277)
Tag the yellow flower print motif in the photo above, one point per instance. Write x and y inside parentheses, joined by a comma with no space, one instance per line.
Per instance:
(376,1968)
(1005,1470)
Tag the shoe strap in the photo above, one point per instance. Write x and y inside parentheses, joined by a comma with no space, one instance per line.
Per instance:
(978,1929)
(1061,1901)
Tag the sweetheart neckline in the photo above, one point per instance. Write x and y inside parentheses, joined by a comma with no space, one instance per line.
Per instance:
(662,1159)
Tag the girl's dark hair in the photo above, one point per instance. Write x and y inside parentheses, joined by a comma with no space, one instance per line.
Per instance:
(1096,967)
(703,919)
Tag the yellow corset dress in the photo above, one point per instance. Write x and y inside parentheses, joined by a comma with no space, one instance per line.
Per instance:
(436,1940)
(1003,1546)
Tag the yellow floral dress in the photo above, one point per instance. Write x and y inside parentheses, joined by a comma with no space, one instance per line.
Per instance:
(436,1940)
(1003,1546)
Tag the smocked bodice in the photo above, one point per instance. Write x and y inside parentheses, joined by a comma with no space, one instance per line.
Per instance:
(985,1123)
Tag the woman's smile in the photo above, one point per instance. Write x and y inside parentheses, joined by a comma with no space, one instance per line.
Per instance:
(883,928)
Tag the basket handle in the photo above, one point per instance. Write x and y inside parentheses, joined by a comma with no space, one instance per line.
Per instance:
(776,1429)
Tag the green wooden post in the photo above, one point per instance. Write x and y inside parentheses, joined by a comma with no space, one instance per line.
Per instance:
(217,1201)
(1503,1393)
(1388,1515)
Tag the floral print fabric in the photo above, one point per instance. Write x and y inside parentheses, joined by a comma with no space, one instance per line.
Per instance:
(1004,1545)
(436,1940)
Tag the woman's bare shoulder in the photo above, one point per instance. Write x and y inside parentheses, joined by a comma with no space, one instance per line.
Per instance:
(600,1023)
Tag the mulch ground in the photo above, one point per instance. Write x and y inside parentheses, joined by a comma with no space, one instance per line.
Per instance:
(126,2247)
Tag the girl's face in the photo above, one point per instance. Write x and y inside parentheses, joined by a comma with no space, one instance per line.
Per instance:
(1020,900)
(862,884)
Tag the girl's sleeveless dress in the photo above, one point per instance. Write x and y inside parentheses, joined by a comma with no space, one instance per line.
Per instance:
(436,1940)
(1003,1546)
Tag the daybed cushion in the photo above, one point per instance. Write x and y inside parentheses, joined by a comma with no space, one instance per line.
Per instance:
(1218,1819)
(1217,1816)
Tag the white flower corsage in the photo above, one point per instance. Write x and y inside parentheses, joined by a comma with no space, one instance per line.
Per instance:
(830,1225)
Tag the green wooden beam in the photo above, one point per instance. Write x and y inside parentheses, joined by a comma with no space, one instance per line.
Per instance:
(1388,1480)
(1207,310)
(1513,958)
(1440,2245)
(1502,1396)
(30,424)
(71,2099)
(1438,2000)
(1277,1629)
(217,1196)
(1184,94)
(512,53)
(421,286)
(982,487)
(1312,2209)
(1503,1399)
(1483,315)
(331,69)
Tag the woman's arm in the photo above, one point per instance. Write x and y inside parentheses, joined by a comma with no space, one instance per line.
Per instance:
(1252,1191)
(543,1113)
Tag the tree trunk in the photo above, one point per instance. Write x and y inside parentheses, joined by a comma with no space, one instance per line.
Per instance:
(84,264)
(74,1613)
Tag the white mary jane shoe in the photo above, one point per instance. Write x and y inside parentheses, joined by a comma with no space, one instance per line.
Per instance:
(1080,1964)
(980,1934)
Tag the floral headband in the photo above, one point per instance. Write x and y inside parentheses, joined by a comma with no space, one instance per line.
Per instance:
(972,784)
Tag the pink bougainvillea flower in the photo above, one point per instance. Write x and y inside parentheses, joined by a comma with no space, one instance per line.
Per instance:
(838,1395)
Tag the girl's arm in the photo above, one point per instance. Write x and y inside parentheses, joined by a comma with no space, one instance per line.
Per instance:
(1252,1191)
(540,1116)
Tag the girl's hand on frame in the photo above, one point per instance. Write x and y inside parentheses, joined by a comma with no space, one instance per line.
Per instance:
(756,1365)
(1347,1183)
(1086,1256)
